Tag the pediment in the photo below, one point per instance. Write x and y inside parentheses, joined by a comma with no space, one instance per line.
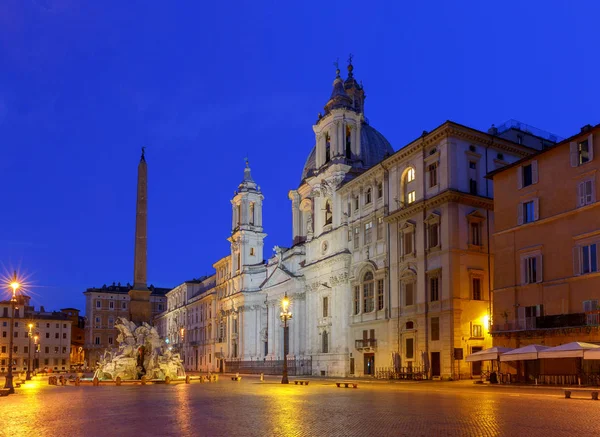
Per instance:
(279,276)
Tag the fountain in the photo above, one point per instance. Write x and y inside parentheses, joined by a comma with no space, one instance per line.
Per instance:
(141,353)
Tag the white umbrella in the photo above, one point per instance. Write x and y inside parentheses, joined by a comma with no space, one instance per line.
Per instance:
(529,352)
(488,354)
(569,350)
(592,354)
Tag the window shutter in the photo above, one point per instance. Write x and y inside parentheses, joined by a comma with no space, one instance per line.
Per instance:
(591,146)
(574,154)
(521,315)
(590,196)
(540,269)
(520,214)
(576,261)
(536,209)
(520,177)
(534,172)
(581,193)
(523,268)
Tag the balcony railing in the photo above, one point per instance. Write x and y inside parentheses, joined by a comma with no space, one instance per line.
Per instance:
(365,343)
(573,320)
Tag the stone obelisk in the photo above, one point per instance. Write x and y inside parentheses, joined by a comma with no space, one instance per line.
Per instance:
(139,295)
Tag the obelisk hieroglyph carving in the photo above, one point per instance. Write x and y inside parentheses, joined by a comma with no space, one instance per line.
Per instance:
(139,304)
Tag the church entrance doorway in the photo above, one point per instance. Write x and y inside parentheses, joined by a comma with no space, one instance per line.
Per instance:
(369,364)
(435,364)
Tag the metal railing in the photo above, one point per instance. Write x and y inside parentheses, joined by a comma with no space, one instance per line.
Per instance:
(589,318)
(296,367)
(516,124)
(412,373)
(365,343)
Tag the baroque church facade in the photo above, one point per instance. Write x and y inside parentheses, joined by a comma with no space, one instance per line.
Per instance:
(389,265)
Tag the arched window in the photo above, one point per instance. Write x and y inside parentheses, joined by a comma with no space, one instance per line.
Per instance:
(327,148)
(410,325)
(368,292)
(328,213)
(251,213)
(325,342)
(408,189)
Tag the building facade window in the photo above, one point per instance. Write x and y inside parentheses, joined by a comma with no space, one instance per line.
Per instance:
(531,269)
(475,234)
(356,237)
(356,203)
(435,328)
(582,152)
(380,295)
(476,286)
(434,289)
(368,231)
(368,292)
(589,259)
(357,299)
(433,174)
(368,196)
(586,192)
(251,213)
(379,228)
(411,196)
(98,304)
(477,331)
(325,306)
(325,342)
(410,175)
(379,190)
(409,293)
(433,230)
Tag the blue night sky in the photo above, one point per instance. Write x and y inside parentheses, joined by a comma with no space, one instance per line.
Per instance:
(85,84)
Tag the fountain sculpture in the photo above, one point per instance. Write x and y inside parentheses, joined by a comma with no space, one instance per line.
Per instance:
(141,353)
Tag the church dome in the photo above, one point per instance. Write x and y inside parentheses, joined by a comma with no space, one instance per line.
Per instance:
(373,149)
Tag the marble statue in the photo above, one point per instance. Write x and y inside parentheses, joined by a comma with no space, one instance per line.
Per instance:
(141,352)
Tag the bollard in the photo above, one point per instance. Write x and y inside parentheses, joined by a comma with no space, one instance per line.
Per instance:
(594,395)
(95,381)
(262,377)
(144,380)
(187,379)
(167,380)
(579,381)
(535,381)
(567,394)
(118,381)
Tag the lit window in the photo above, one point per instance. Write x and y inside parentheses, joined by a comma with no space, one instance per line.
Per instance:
(477,331)
(411,197)
(410,176)
(583,152)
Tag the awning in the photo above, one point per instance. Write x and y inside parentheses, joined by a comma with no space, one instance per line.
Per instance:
(488,354)
(592,354)
(569,350)
(529,352)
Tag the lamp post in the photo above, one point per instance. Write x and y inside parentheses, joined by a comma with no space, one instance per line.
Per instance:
(9,376)
(285,316)
(28,376)
(182,332)
(35,359)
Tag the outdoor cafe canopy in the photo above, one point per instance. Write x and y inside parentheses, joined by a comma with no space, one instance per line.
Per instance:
(488,354)
(592,354)
(569,350)
(529,352)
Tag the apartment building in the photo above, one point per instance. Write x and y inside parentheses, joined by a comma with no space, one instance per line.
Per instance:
(547,245)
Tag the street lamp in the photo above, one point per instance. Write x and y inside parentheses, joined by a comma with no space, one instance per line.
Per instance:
(182,332)
(285,316)
(9,376)
(28,376)
(35,359)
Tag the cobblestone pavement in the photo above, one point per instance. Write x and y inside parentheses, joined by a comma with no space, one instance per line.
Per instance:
(252,408)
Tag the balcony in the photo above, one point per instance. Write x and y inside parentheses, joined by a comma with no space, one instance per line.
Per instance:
(557,321)
(365,344)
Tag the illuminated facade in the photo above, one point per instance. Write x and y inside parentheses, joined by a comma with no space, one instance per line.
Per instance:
(102,307)
(53,330)
(359,206)
(547,240)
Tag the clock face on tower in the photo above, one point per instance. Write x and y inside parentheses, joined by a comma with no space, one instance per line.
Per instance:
(324,247)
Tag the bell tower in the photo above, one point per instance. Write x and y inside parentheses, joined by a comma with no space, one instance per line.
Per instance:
(247,236)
